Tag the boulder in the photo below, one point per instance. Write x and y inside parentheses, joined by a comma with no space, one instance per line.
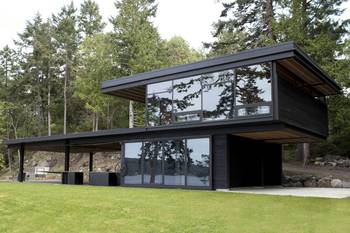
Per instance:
(310,183)
(336,183)
(325,182)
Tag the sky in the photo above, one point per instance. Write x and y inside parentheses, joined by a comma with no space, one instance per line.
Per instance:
(191,19)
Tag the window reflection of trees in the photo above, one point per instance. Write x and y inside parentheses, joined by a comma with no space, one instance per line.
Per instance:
(253,85)
(218,95)
(214,96)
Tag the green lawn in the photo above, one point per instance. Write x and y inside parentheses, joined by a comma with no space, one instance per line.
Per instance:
(48,208)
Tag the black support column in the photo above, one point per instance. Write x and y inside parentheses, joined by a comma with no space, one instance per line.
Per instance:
(220,162)
(66,156)
(21,164)
(91,161)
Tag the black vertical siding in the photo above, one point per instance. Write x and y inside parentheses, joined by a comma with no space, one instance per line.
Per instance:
(300,109)
(220,162)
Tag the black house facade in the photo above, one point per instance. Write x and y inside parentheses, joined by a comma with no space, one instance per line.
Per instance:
(213,124)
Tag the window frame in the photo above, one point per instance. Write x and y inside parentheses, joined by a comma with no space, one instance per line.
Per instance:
(236,107)
(162,140)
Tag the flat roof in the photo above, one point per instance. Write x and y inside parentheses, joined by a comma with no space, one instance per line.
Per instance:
(110,140)
(284,51)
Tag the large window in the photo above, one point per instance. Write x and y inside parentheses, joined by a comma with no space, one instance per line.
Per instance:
(253,88)
(177,162)
(174,162)
(228,94)
(133,163)
(152,166)
(198,162)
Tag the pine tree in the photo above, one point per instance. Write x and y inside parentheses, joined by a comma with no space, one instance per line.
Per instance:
(67,36)
(137,43)
(90,19)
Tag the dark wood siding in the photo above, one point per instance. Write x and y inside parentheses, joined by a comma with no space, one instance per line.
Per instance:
(300,109)
(220,162)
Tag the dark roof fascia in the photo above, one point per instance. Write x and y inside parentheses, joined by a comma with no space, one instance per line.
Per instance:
(248,57)
(130,131)
(243,57)
(304,58)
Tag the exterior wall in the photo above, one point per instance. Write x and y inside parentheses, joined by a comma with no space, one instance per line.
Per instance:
(301,110)
(240,162)
(220,161)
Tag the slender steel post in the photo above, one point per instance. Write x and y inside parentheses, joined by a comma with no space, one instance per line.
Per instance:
(91,161)
(66,156)
(21,164)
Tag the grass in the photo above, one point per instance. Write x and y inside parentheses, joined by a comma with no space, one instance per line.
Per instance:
(58,208)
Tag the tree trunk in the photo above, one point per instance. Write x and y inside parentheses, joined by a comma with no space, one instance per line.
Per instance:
(303,152)
(66,77)
(49,106)
(306,150)
(269,19)
(131,114)
(96,121)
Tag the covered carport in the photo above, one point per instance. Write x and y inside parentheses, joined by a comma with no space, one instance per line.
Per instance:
(88,143)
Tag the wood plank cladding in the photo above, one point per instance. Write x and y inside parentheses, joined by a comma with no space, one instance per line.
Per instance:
(220,162)
(280,136)
(135,93)
(299,109)
(307,76)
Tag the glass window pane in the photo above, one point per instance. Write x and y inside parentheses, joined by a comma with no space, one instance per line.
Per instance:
(256,110)
(187,117)
(152,169)
(132,162)
(217,77)
(198,162)
(159,87)
(218,101)
(159,109)
(187,94)
(174,162)
(253,84)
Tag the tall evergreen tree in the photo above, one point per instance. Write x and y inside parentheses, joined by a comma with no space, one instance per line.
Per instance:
(137,43)
(67,36)
(90,19)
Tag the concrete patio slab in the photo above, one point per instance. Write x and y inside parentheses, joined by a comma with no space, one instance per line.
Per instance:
(297,192)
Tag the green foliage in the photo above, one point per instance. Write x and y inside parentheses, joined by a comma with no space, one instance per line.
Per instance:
(313,25)
(90,20)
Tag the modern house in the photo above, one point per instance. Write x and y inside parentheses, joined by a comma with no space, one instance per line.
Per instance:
(213,124)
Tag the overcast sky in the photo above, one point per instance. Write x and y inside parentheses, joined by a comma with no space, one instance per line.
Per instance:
(191,19)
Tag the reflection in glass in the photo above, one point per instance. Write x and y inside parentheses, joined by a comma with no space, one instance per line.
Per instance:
(217,77)
(187,117)
(218,101)
(250,111)
(159,87)
(132,161)
(198,162)
(187,94)
(159,109)
(253,84)
(152,169)
(174,162)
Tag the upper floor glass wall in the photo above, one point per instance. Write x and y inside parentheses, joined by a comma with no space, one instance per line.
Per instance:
(229,94)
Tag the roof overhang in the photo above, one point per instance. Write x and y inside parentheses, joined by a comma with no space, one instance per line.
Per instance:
(110,140)
(289,55)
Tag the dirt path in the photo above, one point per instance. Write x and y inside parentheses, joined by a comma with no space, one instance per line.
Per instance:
(336,172)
